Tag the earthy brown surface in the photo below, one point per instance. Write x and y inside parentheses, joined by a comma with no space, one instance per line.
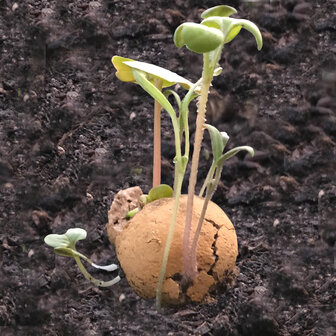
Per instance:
(123,202)
(72,136)
(141,244)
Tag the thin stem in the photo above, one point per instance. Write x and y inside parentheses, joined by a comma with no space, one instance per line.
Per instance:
(170,235)
(193,252)
(207,179)
(184,113)
(157,139)
(211,188)
(189,269)
(95,281)
(141,79)
(132,213)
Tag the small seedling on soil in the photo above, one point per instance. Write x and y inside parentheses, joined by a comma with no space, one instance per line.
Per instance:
(65,245)
(207,38)
(164,215)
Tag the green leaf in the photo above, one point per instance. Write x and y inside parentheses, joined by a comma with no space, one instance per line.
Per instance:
(230,27)
(66,240)
(124,73)
(197,37)
(168,77)
(234,152)
(124,68)
(221,10)
(75,234)
(143,199)
(236,26)
(154,92)
(213,22)
(167,93)
(160,191)
(218,141)
(56,240)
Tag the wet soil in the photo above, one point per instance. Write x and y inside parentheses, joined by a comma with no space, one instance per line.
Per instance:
(72,135)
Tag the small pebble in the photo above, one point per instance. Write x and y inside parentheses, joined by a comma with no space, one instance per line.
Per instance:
(132,115)
(30,253)
(89,197)
(122,297)
(276,223)
(60,150)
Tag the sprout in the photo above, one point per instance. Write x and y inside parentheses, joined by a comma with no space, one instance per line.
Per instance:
(125,66)
(198,38)
(65,245)
(208,38)
(158,192)
(221,10)
(152,79)
(218,24)
(231,27)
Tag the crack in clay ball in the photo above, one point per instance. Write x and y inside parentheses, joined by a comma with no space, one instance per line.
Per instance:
(141,244)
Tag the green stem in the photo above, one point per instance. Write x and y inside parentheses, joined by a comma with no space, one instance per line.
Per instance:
(157,139)
(141,79)
(207,179)
(184,115)
(193,252)
(95,281)
(211,188)
(179,166)
(132,213)
(189,269)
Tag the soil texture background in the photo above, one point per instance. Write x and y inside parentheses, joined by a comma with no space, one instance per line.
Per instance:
(72,136)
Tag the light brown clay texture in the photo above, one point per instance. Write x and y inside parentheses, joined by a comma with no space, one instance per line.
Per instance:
(141,244)
(124,201)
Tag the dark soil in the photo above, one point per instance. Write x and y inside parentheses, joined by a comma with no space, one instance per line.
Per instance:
(72,135)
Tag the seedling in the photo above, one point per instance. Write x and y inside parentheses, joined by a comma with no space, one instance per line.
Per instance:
(152,79)
(160,191)
(207,38)
(65,245)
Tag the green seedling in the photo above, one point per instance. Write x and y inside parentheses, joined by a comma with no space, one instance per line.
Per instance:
(150,77)
(218,143)
(204,38)
(65,245)
(160,191)
(207,38)
(146,75)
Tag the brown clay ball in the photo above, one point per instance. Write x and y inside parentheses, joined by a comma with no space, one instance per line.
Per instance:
(141,244)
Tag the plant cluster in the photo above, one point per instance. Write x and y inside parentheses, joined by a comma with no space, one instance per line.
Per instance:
(208,38)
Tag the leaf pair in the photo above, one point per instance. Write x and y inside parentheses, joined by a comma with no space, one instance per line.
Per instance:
(218,143)
(65,245)
(125,72)
(214,31)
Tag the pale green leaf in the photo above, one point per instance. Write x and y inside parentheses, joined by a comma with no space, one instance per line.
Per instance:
(221,10)
(168,77)
(218,141)
(160,191)
(156,94)
(237,24)
(66,240)
(234,152)
(197,37)
(75,234)
(56,240)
